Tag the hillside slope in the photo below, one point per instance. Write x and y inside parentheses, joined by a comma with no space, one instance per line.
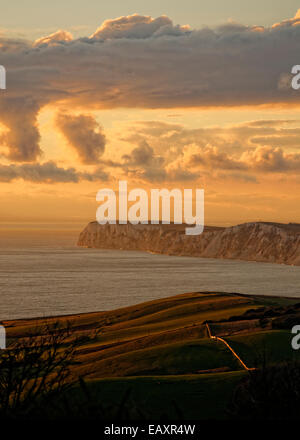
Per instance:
(166,336)
(155,360)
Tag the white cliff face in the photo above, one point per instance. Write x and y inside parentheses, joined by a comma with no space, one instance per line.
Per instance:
(268,242)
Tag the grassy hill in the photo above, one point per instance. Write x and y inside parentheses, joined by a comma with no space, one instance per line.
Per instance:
(161,351)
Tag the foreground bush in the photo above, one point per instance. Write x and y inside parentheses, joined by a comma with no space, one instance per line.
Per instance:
(268,393)
(34,371)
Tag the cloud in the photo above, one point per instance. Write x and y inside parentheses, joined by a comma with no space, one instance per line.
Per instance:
(143,163)
(54,39)
(212,158)
(142,155)
(47,172)
(272,122)
(140,61)
(263,159)
(239,152)
(22,137)
(295,21)
(137,26)
(98,175)
(173,138)
(285,140)
(84,134)
(178,172)
(268,159)
(243,177)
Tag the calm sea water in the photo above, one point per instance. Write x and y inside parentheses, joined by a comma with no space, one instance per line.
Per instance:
(43,273)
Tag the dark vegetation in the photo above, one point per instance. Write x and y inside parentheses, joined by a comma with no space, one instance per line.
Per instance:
(35,370)
(280,317)
(268,393)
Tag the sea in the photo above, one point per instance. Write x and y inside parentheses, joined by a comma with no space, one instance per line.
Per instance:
(44,273)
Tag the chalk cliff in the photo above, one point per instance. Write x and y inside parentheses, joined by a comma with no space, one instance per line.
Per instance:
(268,242)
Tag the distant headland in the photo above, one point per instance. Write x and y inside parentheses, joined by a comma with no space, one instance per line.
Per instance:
(255,241)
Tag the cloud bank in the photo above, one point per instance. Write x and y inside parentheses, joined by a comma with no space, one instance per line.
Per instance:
(47,172)
(245,151)
(140,61)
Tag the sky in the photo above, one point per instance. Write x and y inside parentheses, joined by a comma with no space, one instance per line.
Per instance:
(30,18)
(187,94)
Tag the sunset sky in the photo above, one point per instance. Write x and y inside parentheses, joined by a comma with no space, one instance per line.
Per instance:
(163,95)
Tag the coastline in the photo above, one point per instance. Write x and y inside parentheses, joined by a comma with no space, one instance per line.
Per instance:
(259,241)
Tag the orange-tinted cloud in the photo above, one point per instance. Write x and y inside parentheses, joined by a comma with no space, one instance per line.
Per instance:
(295,21)
(84,135)
(54,39)
(139,61)
(236,151)
(138,26)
